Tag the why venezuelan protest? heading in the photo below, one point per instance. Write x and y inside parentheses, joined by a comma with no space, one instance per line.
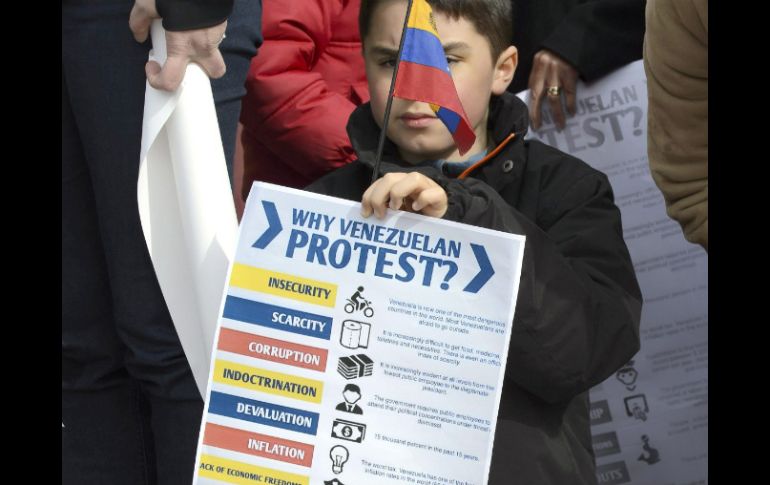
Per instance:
(410,254)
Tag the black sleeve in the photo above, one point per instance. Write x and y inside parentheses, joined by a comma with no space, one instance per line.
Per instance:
(579,304)
(193,14)
(599,36)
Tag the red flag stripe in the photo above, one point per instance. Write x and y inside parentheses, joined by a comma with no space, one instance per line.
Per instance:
(427,84)
(464,137)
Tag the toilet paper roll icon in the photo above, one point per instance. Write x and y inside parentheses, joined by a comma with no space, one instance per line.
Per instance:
(355,335)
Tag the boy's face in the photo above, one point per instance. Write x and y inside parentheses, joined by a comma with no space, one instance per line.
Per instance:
(413,126)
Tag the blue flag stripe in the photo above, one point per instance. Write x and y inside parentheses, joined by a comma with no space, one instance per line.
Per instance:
(449,117)
(421,47)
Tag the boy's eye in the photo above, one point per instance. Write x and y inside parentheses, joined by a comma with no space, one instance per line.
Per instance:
(451,60)
(388,63)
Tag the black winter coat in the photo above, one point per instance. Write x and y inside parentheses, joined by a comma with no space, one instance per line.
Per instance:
(579,304)
(193,14)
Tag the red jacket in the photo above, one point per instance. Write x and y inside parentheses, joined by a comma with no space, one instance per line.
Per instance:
(301,89)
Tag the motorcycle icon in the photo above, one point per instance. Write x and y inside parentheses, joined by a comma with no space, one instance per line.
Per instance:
(365,306)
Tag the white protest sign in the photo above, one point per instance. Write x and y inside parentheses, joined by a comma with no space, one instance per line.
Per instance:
(650,420)
(357,350)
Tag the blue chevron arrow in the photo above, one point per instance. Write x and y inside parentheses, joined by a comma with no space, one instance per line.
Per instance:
(485,269)
(274,226)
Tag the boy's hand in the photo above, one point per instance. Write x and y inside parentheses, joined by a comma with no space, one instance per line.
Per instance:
(407,191)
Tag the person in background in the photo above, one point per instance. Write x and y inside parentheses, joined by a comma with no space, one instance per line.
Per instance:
(300,92)
(676,64)
(560,41)
(130,406)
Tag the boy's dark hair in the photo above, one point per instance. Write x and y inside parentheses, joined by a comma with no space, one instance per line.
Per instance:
(492,18)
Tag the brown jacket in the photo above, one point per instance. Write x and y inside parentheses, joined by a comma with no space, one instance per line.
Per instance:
(676,64)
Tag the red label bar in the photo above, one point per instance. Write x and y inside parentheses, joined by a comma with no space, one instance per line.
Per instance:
(271,349)
(258,444)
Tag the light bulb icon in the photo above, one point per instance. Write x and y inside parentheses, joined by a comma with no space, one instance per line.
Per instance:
(339,455)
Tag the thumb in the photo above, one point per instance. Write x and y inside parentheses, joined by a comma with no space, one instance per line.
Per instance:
(139,22)
(170,76)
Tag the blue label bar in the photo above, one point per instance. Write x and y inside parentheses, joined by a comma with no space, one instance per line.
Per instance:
(277,317)
(263,413)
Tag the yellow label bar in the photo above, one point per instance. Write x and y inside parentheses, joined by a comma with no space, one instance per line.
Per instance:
(267,381)
(232,471)
(284,285)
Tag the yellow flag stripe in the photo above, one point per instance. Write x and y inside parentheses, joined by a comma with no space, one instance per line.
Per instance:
(421,17)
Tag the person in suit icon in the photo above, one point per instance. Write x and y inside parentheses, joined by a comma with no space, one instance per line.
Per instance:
(351,393)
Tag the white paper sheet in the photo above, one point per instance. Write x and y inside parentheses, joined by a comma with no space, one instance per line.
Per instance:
(186,206)
(403,387)
(650,420)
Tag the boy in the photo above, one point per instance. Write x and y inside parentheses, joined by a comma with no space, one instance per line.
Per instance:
(578,309)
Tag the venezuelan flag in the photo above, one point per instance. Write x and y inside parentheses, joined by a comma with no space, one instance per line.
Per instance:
(423,75)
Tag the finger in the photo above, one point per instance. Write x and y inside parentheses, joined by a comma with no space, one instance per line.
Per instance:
(170,76)
(431,201)
(380,195)
(555,101)
(366,205)
(212,64)
(534,107)
(151,69)
(395,202)
(427,197)
(409,186)
(536,88)
(139,23)
(570,93)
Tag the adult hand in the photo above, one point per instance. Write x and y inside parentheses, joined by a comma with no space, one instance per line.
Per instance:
(551,71)
(412,192)
(200,46)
